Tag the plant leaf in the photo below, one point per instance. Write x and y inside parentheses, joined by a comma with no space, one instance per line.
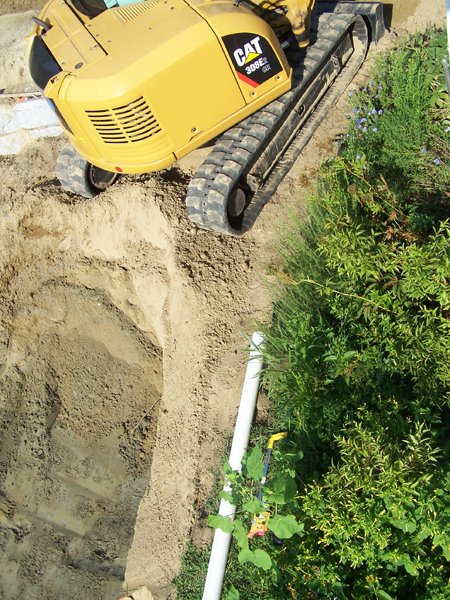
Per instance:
(232,594)
(227,468)
(262,559)
(220,522)
(245,555)
(423,534)
(284,527)
(410,527)
(410,568)
(398,523)
(383,595)
(281,489)
(259,558)
(252,464)
(228,496)
(254,506)
(240,534)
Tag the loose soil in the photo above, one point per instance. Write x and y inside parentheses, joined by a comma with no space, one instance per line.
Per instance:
(122,337)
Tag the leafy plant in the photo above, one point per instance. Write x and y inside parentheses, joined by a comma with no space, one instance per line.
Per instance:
(280,491)
(400,125)
(378,523)
(362,325)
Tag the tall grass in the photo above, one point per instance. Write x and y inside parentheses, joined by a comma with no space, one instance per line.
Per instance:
(400,126)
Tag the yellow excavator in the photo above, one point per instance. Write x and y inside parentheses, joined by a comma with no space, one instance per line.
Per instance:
(138,84)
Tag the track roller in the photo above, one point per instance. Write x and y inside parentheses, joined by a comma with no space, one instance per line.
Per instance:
(79,176)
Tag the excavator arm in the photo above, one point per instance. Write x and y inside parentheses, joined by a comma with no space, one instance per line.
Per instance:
(298,14)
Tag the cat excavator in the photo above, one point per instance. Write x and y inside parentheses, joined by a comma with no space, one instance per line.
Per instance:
(138,84)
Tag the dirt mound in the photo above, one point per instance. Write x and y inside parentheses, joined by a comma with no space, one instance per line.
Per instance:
(122,326)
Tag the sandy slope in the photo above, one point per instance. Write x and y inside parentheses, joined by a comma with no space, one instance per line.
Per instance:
(121,335)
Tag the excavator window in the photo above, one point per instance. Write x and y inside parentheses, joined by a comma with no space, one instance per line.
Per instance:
(91,8)
(41,63)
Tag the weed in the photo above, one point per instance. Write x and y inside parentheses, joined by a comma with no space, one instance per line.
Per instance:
(189,583)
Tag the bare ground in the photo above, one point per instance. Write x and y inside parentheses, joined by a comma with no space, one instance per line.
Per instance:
(122,330)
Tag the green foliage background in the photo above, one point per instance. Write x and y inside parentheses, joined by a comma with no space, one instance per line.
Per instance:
(358,360)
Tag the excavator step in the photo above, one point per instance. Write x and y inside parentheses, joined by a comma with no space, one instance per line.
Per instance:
(248,162)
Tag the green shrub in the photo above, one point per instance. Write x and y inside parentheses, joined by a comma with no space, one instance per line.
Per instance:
(362,326)
(359,346)
(360,343)
(377,526)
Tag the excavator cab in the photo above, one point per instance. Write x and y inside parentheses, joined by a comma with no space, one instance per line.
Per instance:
(90,8)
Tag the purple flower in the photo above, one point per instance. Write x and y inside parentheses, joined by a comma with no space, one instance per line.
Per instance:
(423,151)
(363,120)
(437,161)
(373,111)
(380,112)
(364,129)
(375,129)
(350,94)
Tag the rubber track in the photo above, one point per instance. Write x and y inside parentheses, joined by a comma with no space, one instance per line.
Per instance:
(261,149)
(71,171)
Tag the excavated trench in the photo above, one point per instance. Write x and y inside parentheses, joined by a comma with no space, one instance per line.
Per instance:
(121,337)
(79,410)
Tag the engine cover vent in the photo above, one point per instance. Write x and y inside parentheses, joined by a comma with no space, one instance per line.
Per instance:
(129,13)
(131,122)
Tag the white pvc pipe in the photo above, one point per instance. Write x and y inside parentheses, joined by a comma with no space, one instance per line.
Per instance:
(221,541)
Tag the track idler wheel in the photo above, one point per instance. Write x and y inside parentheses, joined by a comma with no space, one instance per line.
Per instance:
(81,177)
(236,205)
